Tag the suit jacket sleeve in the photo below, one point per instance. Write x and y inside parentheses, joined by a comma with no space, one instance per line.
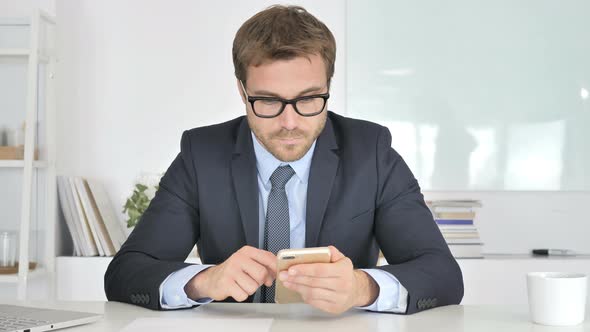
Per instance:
(161,241)
(409,238)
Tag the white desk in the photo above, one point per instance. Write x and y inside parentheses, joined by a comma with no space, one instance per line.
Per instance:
(304,318)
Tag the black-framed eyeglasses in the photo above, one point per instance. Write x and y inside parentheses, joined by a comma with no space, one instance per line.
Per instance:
(270,107)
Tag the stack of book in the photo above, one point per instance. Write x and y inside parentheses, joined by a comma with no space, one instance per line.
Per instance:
(456,221)
(90,217)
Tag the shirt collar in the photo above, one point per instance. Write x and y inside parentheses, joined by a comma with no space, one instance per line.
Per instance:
(266,163)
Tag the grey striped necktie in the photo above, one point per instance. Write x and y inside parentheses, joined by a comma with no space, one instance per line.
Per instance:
(277,229)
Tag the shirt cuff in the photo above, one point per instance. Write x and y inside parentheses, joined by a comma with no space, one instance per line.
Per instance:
(393,296)
(172,294)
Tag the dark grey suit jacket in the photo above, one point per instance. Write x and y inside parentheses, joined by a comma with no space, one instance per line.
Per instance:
(361,197)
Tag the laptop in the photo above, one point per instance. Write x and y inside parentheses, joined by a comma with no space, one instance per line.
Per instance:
(26,319)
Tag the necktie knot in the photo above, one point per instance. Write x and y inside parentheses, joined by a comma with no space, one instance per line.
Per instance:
(281,176)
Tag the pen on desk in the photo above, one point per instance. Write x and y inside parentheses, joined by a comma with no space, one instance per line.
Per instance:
(553,252)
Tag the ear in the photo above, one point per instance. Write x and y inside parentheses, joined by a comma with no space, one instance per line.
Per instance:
(240,91)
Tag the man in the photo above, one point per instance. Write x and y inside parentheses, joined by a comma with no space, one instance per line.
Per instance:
(289,174)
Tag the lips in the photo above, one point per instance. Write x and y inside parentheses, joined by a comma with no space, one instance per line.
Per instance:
(290,140)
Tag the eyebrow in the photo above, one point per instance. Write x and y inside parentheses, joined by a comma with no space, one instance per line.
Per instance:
(272,94)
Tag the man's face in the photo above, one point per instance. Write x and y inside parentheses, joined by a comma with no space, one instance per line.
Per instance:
(288,136)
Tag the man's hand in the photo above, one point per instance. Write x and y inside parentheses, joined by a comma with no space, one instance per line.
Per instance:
(332,287)
(239,276)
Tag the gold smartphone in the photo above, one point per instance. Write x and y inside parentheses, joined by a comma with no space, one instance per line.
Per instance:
(289,257)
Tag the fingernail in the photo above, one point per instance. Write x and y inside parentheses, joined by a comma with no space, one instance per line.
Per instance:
(283,275)
(292,272)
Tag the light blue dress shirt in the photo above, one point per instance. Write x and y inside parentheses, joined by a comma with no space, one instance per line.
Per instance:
(392,295)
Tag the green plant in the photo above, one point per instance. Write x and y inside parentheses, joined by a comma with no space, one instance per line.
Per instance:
(136,205)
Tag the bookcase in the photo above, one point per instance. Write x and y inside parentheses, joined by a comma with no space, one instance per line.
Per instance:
(28,191)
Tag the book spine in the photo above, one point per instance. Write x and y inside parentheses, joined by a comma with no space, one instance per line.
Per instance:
(454,221)
(455,215)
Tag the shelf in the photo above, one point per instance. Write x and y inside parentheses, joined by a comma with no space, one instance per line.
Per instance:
(380,261)
(21,164)
(107,259)
(25,21)
(43,58)
(14,52)
(23,52)
(13,278)
(34,47)
(15,21)
(530,257)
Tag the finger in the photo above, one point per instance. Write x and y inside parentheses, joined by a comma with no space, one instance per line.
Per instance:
(326,283)
(269,280)
(311,293)
(237,292)
(266,258)
(318,270)
(336,255)
(257,271)
(246,283)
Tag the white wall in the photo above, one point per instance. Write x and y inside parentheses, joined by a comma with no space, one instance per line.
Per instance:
(133,75)
(24,8)
(473,104)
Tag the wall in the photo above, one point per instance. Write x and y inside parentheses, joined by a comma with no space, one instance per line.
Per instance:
(133,75)
(472,104)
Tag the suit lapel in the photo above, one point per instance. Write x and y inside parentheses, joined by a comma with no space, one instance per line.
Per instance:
(244,176)
(324,166)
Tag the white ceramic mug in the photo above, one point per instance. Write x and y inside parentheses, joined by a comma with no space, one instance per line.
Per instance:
(557,298)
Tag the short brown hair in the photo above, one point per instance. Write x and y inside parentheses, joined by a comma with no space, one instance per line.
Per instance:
(282,33)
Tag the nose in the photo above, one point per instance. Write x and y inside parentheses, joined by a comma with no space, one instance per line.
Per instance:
(289,118)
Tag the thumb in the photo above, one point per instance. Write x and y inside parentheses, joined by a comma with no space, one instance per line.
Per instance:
(336,255)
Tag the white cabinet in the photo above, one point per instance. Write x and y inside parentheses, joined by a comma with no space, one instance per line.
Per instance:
(501,279)
(495,279)
(27,67)
(82,278)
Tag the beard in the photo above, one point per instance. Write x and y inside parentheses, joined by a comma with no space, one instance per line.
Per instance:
(287,152)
